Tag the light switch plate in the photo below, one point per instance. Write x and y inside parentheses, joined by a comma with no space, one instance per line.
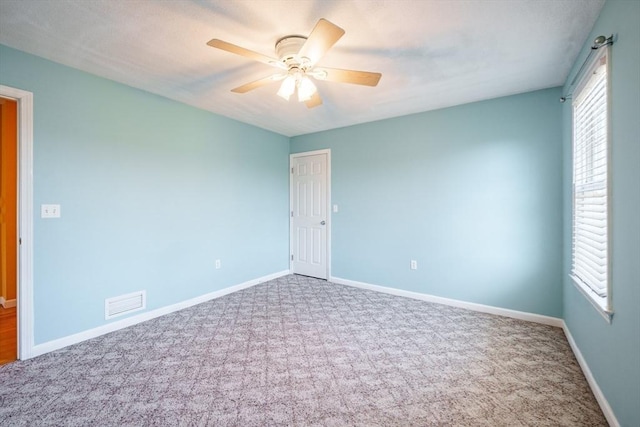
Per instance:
(50,211)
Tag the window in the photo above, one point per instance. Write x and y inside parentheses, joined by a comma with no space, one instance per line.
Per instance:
(590,267)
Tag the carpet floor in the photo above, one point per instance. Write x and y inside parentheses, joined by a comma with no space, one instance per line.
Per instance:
(298,351)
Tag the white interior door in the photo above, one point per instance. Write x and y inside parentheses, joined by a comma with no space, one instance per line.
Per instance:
(309,218)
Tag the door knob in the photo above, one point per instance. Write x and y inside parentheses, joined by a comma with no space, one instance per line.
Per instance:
(322,222)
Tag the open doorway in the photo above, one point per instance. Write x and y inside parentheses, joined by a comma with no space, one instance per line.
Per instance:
(8,230)
(23,209)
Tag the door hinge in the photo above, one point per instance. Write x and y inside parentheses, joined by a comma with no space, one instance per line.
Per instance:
(292,171)
(291,257)
(291,214)
(20,240)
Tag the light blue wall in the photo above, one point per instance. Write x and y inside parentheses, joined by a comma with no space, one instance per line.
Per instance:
(612,351)
(152,192)
(473,193)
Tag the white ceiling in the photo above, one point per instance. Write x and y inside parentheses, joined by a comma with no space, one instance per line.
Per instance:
(431,53)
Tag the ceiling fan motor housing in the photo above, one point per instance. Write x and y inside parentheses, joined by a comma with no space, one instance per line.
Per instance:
(287,49)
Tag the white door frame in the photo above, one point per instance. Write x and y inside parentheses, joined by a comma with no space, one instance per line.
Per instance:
(25,218)
(328,228)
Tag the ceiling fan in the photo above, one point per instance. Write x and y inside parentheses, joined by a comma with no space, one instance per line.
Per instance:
(297,58)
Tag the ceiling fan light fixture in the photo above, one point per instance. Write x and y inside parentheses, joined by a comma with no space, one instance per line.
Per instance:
(287,87)
(306,89)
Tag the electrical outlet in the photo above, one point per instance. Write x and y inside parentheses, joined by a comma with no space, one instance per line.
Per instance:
(218,264)
(50,211)
(414,264)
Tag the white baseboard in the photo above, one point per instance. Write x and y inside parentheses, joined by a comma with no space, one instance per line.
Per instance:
(8,303)
(522,315)
(602,401)
(59,343)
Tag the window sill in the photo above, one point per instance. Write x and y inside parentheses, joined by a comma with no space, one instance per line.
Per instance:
(600,303)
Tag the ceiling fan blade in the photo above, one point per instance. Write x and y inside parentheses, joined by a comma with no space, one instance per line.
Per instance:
(348,76)
(229,47)
(324,35)
(314,101)
(255,84)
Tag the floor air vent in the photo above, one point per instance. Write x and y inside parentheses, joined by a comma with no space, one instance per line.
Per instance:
(124,304)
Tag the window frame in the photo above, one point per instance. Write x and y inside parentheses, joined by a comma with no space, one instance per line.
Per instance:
(604,304)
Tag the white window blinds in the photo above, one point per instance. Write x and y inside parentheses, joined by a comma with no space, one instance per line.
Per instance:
(590,263)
